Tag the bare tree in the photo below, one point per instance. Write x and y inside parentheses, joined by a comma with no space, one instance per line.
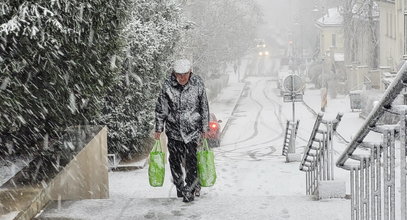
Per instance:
(361,18)
(221,32)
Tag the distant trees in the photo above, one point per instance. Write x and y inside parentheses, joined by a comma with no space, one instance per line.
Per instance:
(222,32)
(361,19)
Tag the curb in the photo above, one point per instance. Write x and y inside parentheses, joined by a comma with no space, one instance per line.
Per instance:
(233,111)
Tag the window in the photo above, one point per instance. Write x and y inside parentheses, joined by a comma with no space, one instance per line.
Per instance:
(387,24)
(391,26)
(393,34)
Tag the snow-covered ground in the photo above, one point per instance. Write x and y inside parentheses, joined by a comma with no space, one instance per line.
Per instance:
(254,181)
(9,216)
(11,166)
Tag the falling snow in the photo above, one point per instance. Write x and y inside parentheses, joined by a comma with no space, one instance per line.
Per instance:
(68,67)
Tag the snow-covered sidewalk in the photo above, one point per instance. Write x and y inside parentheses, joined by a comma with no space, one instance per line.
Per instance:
(253,180)
(209,207)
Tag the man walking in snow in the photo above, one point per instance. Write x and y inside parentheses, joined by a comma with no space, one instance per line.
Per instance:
(182,107)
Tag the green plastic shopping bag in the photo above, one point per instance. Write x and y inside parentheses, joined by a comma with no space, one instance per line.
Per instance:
(156,168)
(206,165)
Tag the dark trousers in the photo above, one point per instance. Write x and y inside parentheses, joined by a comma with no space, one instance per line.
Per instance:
(179,151)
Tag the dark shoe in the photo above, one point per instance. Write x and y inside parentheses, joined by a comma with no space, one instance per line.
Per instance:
(188,196)
(198,191)
(179,193)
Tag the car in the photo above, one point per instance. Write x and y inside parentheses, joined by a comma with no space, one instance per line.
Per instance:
(263,53)
(261,48)
(214,131)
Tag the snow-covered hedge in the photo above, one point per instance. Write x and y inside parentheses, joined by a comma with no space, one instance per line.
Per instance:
(69,62)
(54,65)
(151,35)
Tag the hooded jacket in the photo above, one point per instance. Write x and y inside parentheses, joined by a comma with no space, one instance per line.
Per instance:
(183,110)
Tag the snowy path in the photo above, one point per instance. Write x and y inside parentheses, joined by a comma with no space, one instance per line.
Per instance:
(253,179)
(207,208)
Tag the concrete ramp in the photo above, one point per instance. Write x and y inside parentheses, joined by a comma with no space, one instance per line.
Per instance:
(206,207)
(72,168)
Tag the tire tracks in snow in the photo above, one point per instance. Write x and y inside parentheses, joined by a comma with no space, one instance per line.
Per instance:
(256,124)
(254,153)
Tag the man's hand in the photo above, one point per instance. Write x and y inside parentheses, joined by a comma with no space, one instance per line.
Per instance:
(157,135)
(205,135)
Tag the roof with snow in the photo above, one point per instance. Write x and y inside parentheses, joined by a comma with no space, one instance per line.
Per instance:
(333,17)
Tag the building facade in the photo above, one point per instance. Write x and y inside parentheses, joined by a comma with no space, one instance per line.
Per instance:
(330,28)
(392,38)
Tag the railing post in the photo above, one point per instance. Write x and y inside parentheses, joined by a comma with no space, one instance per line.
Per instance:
(364,189)
(307,182)
(330,152)
(312,180)
(403,168)
(316,177)
(318,161)
(375,171)
(323,156)
(291,147)
(354,181)
(389,175)
(352,192)
(284,152)
(361,191)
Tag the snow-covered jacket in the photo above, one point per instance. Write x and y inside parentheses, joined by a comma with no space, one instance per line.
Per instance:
(183,110)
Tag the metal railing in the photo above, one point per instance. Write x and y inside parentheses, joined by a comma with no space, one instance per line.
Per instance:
(372,165)
(318,161)
(337,134)
(289,138)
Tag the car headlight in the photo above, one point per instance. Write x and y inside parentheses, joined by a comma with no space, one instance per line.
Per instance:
(260,53)
(266,53)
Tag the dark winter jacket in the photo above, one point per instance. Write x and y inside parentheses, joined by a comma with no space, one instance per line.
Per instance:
(183,110)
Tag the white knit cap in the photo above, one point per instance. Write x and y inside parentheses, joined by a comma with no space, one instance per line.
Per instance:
(182,66)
